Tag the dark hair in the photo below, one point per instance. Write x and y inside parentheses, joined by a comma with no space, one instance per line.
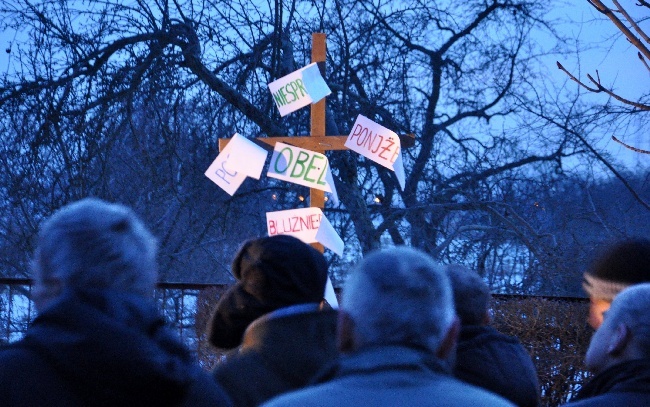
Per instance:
(471,294)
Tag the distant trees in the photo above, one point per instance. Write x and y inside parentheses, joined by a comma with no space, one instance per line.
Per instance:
(127,102)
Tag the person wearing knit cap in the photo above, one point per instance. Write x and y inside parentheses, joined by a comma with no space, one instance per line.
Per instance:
(622,264)
(279,329)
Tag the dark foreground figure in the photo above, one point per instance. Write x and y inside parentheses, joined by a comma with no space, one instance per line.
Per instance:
(486,357)
(619,354)
(98,339)
(397,330)
(274,319)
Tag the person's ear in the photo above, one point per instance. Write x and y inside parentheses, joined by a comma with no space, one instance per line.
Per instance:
(619,340)
(448,344)
(345,335)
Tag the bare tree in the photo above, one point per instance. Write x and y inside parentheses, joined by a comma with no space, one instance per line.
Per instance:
(128,101)
(629,20)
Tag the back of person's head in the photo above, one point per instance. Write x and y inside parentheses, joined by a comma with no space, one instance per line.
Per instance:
(93,244)
(625,332)
(399,295)
(634,311)
(471,295)
(272,272)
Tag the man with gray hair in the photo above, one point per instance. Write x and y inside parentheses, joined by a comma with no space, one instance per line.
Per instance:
(397,328)
(619,353)
(486,357)
(98,339)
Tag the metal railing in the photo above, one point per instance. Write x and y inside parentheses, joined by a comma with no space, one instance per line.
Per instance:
(176,301)
(553,329)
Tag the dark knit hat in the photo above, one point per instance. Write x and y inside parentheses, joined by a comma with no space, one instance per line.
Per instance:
(271,272)
(621,265)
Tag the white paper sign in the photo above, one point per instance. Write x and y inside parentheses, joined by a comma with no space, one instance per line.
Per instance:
(240,158)
(298,89)
(330,294)
(307,224)
(302,167)
(377,143)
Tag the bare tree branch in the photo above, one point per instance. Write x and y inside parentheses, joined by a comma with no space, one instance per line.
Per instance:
(638,150)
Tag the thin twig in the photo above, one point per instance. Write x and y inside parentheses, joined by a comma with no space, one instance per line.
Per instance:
(632,22)
(638,150)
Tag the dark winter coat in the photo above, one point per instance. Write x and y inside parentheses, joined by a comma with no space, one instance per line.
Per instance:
(626,384)
(487,358)
(102,349)
(281,351)
(389,376)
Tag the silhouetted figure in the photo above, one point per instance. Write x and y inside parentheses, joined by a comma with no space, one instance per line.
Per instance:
(276,319)
(397,328)
(619,354)
(98,339)
(486,357)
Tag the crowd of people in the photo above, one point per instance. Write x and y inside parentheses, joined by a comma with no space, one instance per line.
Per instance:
(409,331)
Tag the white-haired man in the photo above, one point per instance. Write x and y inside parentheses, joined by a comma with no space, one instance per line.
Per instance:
(397,330)
(619,353)
(98,339)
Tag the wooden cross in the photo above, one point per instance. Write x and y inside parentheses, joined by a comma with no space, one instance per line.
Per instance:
(317,141)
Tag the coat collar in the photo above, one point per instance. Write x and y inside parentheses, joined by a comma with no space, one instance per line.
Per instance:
(630,376)
(389,357)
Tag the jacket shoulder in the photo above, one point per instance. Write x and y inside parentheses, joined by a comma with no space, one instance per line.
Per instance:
(18,357)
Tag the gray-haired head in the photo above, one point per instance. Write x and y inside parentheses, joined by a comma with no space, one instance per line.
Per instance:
(471,294)
(399,295)
(95,244)
(624,334)
(631,307)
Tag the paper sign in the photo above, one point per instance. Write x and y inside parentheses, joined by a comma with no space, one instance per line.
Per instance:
(314,82)
(298,89)
(330,294)
(240,158)
(302,167)
(307,224)
(377,143)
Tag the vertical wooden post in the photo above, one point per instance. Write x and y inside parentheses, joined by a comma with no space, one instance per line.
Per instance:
(317,114)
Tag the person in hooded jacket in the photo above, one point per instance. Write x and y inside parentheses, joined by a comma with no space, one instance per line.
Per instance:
(274,323)
(486,357)
(98,339)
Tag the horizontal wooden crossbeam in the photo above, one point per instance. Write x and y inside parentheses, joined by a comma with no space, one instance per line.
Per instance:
(314,143)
